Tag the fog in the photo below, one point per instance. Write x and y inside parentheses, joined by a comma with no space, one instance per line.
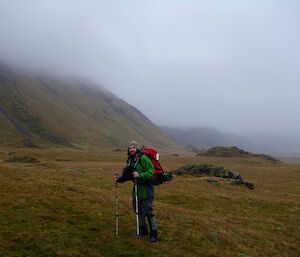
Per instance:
(228,64)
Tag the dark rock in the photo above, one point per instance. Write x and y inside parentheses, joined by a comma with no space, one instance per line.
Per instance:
(249,185)
(22,158)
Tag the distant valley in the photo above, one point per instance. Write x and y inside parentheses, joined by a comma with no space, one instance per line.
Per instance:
(205,137)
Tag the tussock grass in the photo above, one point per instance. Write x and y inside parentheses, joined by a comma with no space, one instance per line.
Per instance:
(65,206)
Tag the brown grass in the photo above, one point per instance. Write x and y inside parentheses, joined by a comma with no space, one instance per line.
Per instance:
(65,206)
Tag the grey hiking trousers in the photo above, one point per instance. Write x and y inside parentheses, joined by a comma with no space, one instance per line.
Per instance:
(145,210)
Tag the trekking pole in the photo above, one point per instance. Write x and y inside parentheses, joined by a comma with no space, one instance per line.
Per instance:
(117,213)
(136,208)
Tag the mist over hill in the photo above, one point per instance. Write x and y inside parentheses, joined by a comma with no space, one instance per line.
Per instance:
(206,137)
(40,110)
(46,110)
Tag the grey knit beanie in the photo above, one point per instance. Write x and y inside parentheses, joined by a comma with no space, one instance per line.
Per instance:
(132,143)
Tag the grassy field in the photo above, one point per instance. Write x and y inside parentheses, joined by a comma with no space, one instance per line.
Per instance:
(64,205)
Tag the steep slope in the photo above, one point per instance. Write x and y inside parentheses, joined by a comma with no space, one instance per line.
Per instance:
(202,137)
(42,111)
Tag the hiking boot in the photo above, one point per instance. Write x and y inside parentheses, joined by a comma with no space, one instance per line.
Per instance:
(143,230)
(153,236)
(153,229)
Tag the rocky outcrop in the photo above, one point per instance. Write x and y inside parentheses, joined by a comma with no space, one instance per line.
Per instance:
(212,171)
(233,151)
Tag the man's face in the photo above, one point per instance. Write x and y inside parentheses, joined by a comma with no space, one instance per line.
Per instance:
(132,150)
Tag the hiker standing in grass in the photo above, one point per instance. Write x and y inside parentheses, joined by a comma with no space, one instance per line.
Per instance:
(142,170)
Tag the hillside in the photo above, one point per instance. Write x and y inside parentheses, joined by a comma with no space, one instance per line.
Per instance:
(233,151)
(202,137)
(39,111)
(207,137)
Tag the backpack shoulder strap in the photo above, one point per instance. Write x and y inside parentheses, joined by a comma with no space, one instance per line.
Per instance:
(135,161)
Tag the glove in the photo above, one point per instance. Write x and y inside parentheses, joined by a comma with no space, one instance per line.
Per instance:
(120,180)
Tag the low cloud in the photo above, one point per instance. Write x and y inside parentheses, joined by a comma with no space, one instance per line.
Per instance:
(227,64)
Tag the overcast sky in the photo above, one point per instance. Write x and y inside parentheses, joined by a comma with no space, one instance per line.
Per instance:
(228,64)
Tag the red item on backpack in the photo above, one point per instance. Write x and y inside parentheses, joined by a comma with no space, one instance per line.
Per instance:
(158,170)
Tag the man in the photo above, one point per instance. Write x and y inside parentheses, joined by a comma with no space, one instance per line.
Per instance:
(141,169)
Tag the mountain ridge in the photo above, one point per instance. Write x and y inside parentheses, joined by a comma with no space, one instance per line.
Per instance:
(70,112)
